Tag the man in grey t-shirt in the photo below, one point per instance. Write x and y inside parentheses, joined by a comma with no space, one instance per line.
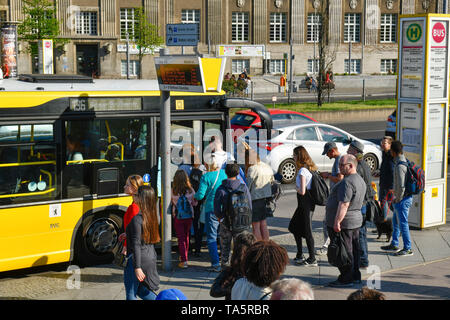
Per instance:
(331,150)
(343,214)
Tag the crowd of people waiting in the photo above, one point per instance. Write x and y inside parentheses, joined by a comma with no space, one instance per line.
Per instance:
(231,206)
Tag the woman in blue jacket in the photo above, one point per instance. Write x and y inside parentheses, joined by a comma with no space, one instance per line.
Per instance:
(209,183)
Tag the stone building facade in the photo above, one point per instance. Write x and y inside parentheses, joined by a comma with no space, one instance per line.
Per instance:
(252,34)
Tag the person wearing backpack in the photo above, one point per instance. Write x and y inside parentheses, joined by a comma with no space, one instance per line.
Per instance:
(183,203)
(209,183)
(195,170)
(300,225)
(233,209)
(402,202)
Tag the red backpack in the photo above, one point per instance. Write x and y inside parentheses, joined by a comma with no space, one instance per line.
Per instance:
(415,178)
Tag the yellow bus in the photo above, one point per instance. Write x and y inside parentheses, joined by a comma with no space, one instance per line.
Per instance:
(66,149)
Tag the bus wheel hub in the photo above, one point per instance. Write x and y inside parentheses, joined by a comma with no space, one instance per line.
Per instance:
(101,236)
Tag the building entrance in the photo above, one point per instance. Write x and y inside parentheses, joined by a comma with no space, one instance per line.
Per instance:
(87,60)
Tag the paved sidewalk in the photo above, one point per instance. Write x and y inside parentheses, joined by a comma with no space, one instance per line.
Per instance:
(425,275)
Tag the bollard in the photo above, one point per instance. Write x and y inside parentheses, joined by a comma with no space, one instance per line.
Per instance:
(364,90)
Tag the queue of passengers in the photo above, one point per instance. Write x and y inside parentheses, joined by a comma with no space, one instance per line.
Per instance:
(231,205)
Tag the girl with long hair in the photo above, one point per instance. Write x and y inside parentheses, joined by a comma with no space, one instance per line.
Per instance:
(183,203)
(131,186)
(141,276)
(300,225)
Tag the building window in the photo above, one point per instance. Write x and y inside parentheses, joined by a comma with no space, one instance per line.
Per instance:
(239,27)
(277,66)
(133,68)
(313,66)
(128,23)
(2,15)
(388,28)
(238,66)
(86,23)
(191,16)
(352,25)
(278,27)
(388,66)
(314,24)
(355,66)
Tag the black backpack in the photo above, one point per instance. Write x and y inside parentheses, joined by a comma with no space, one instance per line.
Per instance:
(194,178)
(319,189)
(239,214)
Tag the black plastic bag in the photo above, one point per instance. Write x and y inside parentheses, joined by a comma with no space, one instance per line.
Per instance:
(337,252)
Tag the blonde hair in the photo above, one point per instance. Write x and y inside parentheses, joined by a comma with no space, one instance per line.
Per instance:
(212,166)
(135,181)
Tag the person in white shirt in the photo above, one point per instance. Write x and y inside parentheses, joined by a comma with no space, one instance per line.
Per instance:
(300,224)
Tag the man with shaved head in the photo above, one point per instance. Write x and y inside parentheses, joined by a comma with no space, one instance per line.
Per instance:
(343,215)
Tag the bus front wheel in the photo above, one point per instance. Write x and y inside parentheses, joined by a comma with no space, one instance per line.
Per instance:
(97,239)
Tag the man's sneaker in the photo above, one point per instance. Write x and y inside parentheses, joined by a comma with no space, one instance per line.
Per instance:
(390,248)
(183,265)
(338,284)
(404,253)
(308,263)
(299,259)
(322,251)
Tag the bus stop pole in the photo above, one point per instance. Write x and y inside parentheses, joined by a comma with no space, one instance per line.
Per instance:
(166,238)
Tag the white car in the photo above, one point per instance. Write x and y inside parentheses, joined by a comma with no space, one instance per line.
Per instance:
(278,151)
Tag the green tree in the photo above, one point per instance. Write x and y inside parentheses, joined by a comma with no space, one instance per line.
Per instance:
(40,23)
(327,50)
(145,35)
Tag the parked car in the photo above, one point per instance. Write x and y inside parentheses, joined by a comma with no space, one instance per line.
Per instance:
(246,118)
(278,151)
(391,124)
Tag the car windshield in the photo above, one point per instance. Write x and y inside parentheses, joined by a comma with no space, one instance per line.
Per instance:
(240,119)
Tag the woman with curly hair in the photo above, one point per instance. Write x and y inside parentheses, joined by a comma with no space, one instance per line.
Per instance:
(264,262)
(300,225)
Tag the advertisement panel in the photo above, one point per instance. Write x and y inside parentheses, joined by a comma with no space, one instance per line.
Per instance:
(9,49)
(240,51)
(45,49)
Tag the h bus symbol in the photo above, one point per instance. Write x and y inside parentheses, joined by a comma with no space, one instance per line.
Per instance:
(414,32)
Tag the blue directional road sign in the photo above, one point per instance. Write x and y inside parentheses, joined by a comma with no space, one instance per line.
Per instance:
(182,34)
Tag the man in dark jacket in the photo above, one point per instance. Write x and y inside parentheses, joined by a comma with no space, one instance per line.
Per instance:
(222,209)
(386,174)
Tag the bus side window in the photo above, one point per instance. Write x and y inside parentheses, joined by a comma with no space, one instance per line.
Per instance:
(28,166)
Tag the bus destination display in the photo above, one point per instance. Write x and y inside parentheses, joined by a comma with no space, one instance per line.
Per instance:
(179,74)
